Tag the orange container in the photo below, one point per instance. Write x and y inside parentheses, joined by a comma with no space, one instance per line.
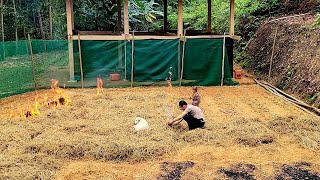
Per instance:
(237,74)
(115,77)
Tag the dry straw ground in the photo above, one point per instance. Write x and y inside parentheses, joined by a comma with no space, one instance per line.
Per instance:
(249,134)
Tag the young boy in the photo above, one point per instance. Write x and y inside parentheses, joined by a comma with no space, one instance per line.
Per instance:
(195,96)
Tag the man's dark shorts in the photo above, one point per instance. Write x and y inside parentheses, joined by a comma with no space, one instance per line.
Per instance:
(193,123)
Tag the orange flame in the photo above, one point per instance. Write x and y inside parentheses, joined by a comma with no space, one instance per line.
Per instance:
(54,86)
(99,85)
(36,111)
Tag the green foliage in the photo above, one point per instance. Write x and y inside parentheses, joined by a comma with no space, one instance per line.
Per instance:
(145,15)
(32,16)
(316,23)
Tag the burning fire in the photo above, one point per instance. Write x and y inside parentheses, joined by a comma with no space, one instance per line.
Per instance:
(99,85)
(55,99)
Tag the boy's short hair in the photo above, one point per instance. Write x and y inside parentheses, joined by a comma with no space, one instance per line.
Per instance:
(182,103)
(195,87)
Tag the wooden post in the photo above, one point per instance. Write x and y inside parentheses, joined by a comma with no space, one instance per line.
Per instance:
(165,15)
(209,16)
(32,62)
(180,18)
(80,59)
(50,22)
(72,15)
(132,57)
(2,30)
(125,59)
(126,17)
(70,41)
(231,32)
(119,16)
(271,59)
(182,60)
(223,56)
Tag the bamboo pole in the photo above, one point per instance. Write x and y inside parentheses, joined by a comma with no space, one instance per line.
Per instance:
(271,60)
(179,61)
(2,31)
(182,60)
(80,59)
(125,59)
(32,62)
(223,56)
(132,57)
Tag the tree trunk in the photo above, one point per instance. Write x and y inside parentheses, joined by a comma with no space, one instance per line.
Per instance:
(50,22)
(2,30)
(41,26)
(15,24)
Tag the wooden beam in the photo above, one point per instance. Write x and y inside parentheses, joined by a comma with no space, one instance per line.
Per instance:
(231,32)
(180,18)
(165,15)
(126,17)
(70,39)
(119,15)
(209,16)
(129,37)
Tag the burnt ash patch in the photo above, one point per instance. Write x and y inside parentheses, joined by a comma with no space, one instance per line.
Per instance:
(174,170)
(297,172)
(239,171)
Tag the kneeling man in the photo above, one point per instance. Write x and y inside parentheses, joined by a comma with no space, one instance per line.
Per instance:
(193,115)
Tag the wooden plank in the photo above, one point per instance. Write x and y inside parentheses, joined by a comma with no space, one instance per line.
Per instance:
(97,33)
(209,16)
(231,17)
(70,35)
(119,15)
(165,15)
(122,37)
(129,37)
(126,17)
(180,18)
(80,59)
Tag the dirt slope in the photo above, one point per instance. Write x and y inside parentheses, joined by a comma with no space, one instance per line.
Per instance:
(296,60)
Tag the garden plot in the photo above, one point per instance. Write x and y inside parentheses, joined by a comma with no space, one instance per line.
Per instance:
(249,134)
